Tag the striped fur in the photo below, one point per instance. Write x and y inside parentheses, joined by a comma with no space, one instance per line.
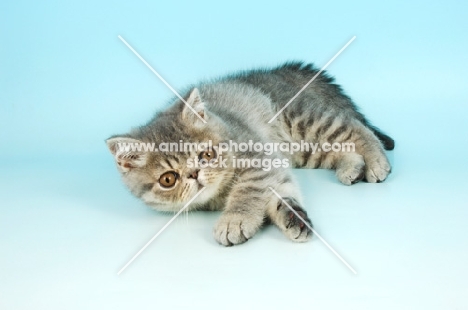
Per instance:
(237,107)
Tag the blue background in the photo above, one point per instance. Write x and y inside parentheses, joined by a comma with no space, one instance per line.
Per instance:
(68,224)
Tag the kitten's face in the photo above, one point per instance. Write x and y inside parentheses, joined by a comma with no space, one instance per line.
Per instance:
(168,180)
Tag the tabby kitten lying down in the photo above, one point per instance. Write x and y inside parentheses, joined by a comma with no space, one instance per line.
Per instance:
(238,108)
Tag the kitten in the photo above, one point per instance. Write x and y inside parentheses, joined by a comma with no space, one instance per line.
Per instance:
(237,108)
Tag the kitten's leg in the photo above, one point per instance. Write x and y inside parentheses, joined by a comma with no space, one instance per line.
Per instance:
(334,129)
(250,202)
(245,209)
(367,161)
(350,168)
(377,165)
(282,216)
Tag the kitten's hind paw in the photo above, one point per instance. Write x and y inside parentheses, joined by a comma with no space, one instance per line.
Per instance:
(350,168)
(350,175)
(291,225)
(235,228)
(378,170)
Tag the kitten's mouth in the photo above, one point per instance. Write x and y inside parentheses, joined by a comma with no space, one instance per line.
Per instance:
(200,186)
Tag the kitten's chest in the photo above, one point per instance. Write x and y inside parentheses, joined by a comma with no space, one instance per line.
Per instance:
(217,203)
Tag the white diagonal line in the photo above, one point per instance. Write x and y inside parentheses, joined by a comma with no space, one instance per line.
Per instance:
(315,76)
(161,78)
(313,230)
(160,231)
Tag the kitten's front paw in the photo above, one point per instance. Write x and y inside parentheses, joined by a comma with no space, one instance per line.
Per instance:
(234,228)
(291,225)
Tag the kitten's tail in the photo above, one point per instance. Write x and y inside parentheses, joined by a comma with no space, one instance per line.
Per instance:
(388,143)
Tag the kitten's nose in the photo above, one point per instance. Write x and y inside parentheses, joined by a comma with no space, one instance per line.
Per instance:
(193,174)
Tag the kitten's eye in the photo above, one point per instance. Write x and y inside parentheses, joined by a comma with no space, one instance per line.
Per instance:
(168,179)
(208,155)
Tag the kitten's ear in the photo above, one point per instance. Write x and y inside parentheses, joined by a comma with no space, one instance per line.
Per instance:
(127,152)
(195,111)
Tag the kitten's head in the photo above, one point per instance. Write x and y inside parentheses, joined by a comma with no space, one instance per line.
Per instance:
(168,179)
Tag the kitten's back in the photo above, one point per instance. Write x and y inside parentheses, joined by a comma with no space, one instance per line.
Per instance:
(321,97)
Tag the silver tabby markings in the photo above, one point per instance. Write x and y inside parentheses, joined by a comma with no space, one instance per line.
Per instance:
(237,107)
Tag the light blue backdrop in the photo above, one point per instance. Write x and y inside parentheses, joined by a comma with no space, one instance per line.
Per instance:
(67,83)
